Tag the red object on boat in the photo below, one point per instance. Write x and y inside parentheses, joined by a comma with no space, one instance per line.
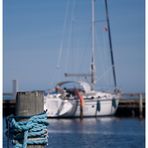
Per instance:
(80,97)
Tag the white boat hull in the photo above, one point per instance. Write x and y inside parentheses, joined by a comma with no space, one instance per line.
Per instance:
(97,108)
(80,102)
(71,108)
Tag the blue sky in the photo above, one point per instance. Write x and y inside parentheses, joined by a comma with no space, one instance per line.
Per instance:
(33,33)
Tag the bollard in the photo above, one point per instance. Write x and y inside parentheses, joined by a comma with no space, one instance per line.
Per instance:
(141,106)
(30,103)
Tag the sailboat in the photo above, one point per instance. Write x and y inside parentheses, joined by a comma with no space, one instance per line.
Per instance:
(79,98)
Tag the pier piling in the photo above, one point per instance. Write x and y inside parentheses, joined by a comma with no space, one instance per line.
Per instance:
(14,88)
(30,103)
(140,106)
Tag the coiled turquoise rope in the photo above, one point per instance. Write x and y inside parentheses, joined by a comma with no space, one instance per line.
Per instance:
(33,131)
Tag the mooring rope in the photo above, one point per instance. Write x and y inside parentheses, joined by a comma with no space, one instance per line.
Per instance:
(29,132)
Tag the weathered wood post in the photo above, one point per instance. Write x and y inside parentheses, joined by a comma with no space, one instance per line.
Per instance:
(30,103)
(140,106)
(14,88)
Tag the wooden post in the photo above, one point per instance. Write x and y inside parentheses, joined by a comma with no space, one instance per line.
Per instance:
(141,106)
(14,88)
(30,103)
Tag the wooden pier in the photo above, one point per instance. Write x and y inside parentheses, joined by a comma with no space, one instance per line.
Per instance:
(130,104)
(131,108)
(134,106)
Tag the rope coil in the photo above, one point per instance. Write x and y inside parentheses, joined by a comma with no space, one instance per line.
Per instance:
(29,132)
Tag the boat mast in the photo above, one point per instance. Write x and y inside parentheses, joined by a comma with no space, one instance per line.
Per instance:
(93,68)
(110,44)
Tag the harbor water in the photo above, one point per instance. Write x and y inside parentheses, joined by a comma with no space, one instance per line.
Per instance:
(104,132)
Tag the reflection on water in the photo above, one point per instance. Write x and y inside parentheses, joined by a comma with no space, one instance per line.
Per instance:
(96,132)
(106,132)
